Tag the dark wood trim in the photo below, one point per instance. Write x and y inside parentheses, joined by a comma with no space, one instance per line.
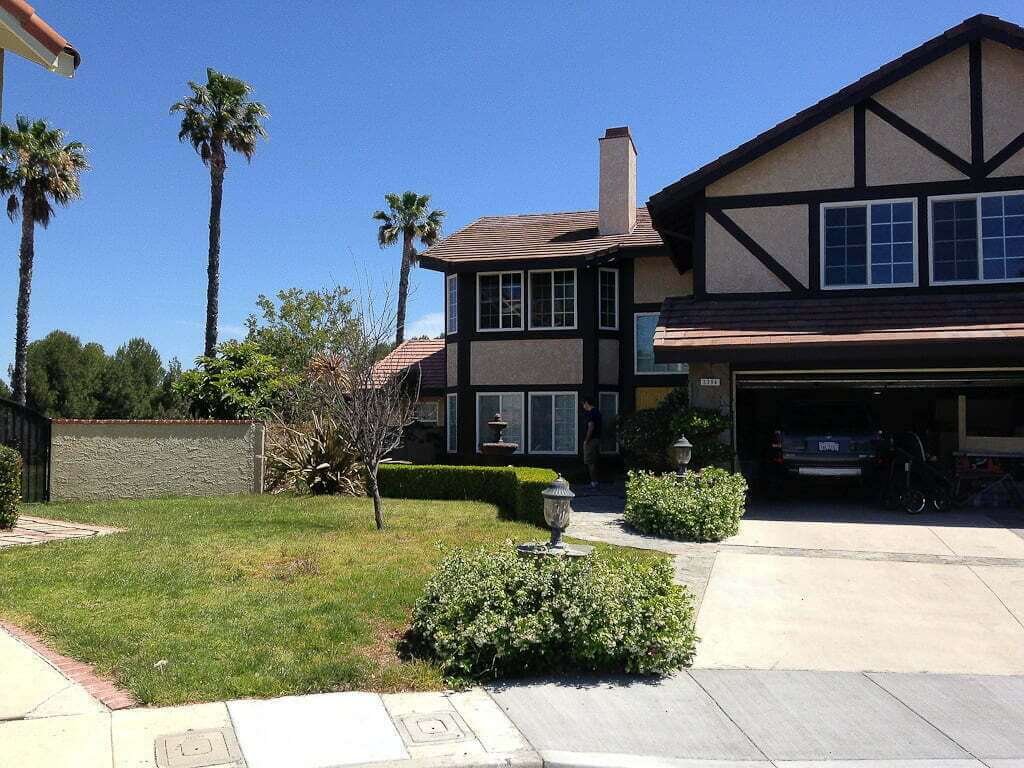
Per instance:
(586,322)
(627,396)
(467,327)
(962,290)
(860,163)
(977,116)
(923,139)
(1004,154)
(700,273)
(814,246)
(503,264)
(757,251)
(923,239)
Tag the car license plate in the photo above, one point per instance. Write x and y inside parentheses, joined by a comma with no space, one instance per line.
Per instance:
(825,446)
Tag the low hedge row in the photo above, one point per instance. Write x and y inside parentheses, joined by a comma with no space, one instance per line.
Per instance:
(514,490)
(10,486)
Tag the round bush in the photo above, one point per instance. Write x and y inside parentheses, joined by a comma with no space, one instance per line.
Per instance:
(492,613)
(700,506)
(10,486)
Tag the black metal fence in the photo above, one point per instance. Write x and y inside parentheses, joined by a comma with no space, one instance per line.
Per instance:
(28,432)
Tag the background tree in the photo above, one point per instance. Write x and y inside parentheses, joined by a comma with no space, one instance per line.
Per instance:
(64,377)
(131,382)
(238,382)
(37,169)
(302,324)
(407,217)
(216,117)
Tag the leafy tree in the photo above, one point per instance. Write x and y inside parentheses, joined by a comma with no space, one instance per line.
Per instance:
(238,382)
(216,117)
(64,377)
(305,324)
(170,403)
(37,169)
(407,217)
(131,382)
(5,390)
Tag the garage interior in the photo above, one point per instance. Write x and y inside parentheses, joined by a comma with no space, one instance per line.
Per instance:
(960,416)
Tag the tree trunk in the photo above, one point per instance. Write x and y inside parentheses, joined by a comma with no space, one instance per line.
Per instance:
(378,502)
(403,287)
(25,256)
(217,165)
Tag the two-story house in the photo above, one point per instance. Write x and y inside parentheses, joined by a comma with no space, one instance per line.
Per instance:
(869,248)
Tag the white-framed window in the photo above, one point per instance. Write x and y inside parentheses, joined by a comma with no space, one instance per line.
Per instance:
(977,238)
(426,412)
(608,299)
(451,299)
(499,301)
(451,422)
(510,406)
(552,299)
(644,325)
(553,421)
(871,244)
(608,405)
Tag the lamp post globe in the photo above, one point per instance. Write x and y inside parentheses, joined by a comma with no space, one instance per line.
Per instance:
(682,451)
(557,508)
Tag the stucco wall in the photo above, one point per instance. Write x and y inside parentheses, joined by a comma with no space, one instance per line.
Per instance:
(451,357)
(731,268)
(138,459)
(892,157)
(1002,73)
(530,361)
(781,230)
(655,278)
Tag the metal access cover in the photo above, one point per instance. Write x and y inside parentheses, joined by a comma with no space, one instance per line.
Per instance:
(197,749)
(432,728)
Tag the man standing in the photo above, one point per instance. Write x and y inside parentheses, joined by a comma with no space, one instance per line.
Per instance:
(592,439)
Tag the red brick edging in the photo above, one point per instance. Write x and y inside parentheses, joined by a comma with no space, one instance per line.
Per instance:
(108,694)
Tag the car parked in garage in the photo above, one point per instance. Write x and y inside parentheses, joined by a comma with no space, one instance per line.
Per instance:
(823,439)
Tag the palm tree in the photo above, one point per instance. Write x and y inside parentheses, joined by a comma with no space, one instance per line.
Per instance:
(37,169)
(216,116)
(407,215)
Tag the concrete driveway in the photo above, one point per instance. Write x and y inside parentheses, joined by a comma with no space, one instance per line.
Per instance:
(837,586)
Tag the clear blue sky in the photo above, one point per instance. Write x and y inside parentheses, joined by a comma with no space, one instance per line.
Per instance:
(489,107)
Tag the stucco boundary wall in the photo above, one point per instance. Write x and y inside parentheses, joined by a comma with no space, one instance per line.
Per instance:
(115,459)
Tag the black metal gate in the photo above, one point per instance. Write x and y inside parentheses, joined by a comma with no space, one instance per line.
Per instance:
(28,432)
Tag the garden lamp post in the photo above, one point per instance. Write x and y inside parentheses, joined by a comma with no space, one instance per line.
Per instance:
(682,450)
(557,509)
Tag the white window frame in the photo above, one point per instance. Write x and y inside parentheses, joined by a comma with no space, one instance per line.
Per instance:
(867,204)
(604,424)
(575,300)
(524,427)
(434,405)
(575,422)
(615,274)
(451,318)
(523,302)
(976,196)
(684,367)
(451,420)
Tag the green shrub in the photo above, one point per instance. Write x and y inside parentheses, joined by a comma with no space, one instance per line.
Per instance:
(10,486)
(701,506)
(514,490)
(647,434)
(492,613)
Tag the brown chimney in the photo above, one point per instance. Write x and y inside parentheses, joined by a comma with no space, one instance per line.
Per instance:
(617,184)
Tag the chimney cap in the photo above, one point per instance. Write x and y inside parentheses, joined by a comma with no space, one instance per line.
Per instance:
(619,132)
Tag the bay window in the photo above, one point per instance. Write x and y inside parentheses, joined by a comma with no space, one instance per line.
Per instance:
(553,422)
(552,299)
(644,325)
(499,301)
(608,299)
(451,296)
(510,406)
(451,422)
(608,405)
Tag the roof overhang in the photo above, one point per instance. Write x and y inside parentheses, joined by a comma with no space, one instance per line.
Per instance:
(511,263)
(940,326)
(26,34)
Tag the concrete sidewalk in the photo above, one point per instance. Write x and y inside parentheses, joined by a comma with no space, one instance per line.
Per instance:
(717,718)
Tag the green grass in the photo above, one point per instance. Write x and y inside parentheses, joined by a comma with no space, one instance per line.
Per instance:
(242,596)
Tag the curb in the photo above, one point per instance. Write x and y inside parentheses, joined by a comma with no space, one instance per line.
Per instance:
(522,759)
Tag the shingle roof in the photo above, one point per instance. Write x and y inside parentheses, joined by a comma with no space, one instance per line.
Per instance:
(706,329)
(31,24)
(535,236)
(429,354)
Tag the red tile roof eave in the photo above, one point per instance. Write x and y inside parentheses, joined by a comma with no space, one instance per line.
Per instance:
(46,35)
(154,421)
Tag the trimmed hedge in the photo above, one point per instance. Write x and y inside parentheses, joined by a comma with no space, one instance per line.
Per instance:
(10,486)
(491,613)
(515,491)
(701,506)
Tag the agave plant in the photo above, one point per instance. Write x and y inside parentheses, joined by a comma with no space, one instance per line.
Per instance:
(312,458)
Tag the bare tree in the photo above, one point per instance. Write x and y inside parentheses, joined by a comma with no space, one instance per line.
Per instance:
(371,405)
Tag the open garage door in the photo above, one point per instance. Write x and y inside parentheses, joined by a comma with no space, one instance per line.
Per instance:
(952,411)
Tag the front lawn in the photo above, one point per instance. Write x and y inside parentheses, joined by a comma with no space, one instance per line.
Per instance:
(241,596)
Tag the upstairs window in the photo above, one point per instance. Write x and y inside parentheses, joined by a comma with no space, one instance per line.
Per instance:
(553,299)
(868,244)
(964,252)
(500,301)
(451,296)
(644,325)
(608,299)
